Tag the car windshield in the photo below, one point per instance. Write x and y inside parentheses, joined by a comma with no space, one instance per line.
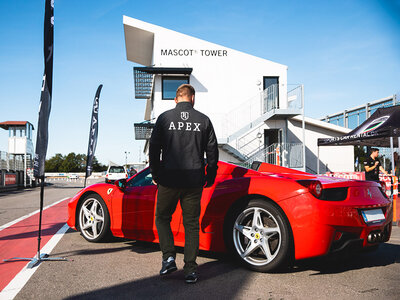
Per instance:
(116,170)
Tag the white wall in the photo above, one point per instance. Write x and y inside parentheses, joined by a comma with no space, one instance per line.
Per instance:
(336,158)
(222,82)
(17,145)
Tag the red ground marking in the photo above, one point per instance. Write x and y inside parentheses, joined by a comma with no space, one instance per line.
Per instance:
(20,239)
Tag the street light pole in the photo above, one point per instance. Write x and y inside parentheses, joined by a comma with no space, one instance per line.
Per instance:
(126,158)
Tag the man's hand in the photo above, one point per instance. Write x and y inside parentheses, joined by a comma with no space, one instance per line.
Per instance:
(376,163)
(208,184)
(154,182)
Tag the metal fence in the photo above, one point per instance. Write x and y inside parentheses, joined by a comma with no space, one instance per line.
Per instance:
(270,98)
(353,117)
(13,162)
(294,96)
(288,155)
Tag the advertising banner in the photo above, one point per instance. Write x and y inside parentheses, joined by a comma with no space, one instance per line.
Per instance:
(347,175)
(10,179)
(375,131)
(94,126)
(45,97)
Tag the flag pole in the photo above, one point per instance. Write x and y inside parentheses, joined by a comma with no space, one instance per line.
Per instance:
(43,122)
(40,214)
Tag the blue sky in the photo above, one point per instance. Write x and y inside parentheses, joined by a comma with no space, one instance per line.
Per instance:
(344,52)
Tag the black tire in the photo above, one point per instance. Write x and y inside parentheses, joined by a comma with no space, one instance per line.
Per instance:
(89,215)
(273,236)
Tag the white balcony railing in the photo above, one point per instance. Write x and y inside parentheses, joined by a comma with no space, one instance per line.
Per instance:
(288,155)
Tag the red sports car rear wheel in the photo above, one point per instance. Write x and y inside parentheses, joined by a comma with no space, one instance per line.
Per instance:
(258,235)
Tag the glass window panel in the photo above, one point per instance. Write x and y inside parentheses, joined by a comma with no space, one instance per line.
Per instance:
(268,81)
(362,117)
(352,121)
(170,85)
(340,121)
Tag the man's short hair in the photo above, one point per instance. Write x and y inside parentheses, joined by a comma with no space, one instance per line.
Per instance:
(374,150)
(185,90)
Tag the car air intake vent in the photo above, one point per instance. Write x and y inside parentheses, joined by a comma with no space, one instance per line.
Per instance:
(334,194)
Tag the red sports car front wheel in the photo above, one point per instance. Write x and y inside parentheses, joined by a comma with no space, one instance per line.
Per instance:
(94,220)
(258,235)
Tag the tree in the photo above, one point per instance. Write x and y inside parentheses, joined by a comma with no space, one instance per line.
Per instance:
(71,163)
(53,164)
(98,167)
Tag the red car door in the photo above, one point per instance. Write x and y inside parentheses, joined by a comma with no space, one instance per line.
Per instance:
(138,209)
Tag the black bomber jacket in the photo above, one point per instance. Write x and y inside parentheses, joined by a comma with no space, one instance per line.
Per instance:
(182,135)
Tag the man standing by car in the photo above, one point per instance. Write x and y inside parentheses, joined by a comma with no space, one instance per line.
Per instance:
(182,135)
(372,166)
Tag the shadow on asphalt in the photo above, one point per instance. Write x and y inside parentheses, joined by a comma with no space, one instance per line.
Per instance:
(68,187)
(9,192)
(215,278)
(45,232)
(386,254)
(148,247)
(67,254)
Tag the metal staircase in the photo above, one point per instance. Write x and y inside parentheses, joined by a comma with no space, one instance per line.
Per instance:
(288,155)
(243,125)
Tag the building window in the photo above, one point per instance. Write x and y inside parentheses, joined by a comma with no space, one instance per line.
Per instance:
(171,84)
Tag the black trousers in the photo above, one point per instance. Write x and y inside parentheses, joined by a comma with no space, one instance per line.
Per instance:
(167,200)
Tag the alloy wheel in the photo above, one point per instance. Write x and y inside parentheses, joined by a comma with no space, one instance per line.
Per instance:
(91,218)
(257,236)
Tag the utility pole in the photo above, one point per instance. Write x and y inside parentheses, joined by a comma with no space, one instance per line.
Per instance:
(126,158)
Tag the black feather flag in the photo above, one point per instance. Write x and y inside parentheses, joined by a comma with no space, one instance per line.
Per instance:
(45,97)
(94,125)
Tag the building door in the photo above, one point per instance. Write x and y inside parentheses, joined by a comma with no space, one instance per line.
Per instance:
(272,144)
(271,136)
(271,94)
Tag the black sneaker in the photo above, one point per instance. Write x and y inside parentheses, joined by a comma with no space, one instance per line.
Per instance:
(168,266)
(191,278)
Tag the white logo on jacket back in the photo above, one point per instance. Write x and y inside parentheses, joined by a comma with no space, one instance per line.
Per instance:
(187,126)
(184,115)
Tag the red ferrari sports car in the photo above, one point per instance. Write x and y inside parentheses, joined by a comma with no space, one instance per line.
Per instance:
(266,216)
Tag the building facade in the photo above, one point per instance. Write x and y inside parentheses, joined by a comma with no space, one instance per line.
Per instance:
(257,114)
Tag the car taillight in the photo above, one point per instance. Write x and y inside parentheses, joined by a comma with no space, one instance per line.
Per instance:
(313,186)
(383,186)
(107,175)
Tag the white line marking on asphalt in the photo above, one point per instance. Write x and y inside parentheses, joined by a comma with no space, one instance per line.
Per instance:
(19,281)
(29,215)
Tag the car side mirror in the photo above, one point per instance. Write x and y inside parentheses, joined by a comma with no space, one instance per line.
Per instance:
(121,184)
